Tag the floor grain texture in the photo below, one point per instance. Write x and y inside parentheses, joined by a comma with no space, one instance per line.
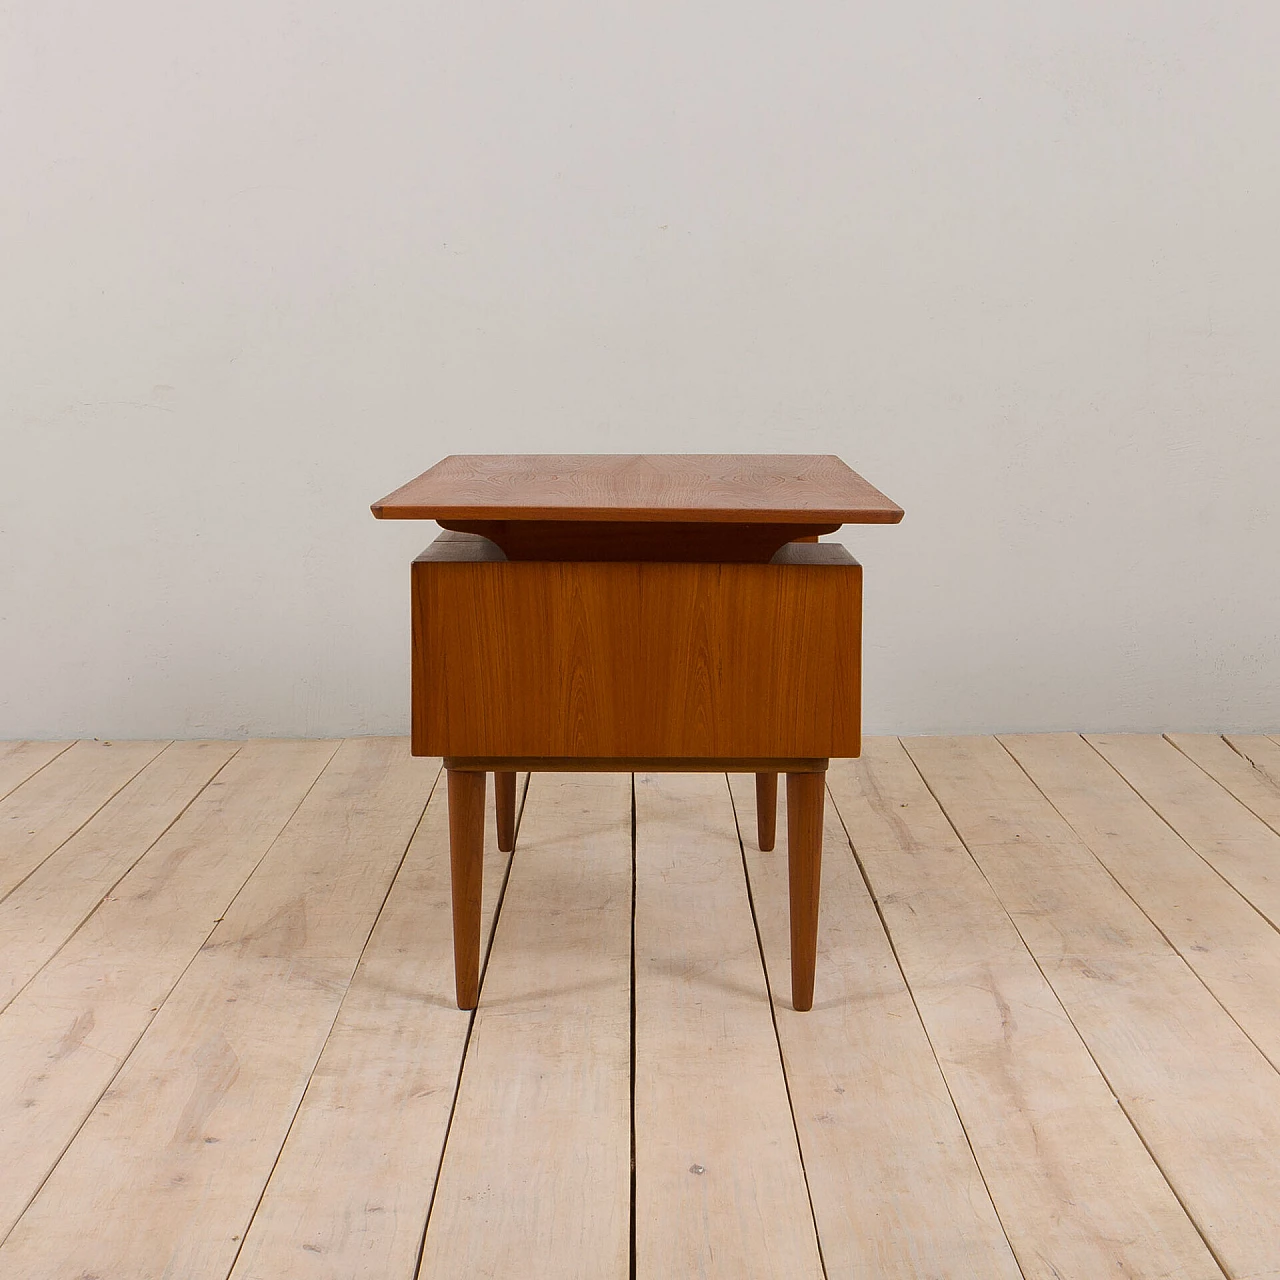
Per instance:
(1044,1041)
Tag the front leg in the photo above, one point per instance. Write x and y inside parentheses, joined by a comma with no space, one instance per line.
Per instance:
(466,864)
(805,795)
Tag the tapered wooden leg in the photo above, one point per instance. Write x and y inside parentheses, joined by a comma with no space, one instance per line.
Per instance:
(805,793)
(504,785)
(766,809)
(466,862)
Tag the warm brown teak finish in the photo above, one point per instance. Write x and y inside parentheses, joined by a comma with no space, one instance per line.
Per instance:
(707,488)
(598,612)
(714,508)
(590,660)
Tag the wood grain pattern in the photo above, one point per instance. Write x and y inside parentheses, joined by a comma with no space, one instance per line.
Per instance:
(20,760)
(631,764)
(1076,1192)
(614,540)
(805,795)
(719,1185)
(767,810)
(659,660)
(48,809)
(1205,1100)
(348,1197)
(895,1189)
(1219,935)
(62,1040)
(44,911)
(536,1178)
(711,488)
(192,1125)
(466,867)
(1248,766)
(1235,842)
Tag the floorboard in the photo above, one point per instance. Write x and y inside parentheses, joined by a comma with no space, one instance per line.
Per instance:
(1218,934)
(21,760)
(1075,1189)
(1236,843)
(63,1039)
(186,1137)
(1041,1045)
(720,1190)
(896,1192)
(37,817)
(1248,767)
(1204,1099)
(349,1195)
(56,898)
(536,1174)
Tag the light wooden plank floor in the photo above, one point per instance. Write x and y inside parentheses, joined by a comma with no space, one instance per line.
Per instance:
(1045,1042)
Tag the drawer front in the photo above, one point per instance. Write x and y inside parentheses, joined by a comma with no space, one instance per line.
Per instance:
(591,660)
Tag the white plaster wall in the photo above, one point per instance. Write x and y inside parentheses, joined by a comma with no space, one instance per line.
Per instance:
(1019,263)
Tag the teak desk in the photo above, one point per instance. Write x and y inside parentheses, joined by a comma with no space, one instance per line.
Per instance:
(597,612)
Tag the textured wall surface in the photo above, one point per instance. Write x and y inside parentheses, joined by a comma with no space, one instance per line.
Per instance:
(263,261)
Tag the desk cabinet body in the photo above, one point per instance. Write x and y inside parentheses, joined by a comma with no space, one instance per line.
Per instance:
(594,660)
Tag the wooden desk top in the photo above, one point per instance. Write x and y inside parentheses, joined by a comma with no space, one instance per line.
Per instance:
(713,488)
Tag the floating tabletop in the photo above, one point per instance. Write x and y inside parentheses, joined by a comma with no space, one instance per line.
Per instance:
(713,488)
